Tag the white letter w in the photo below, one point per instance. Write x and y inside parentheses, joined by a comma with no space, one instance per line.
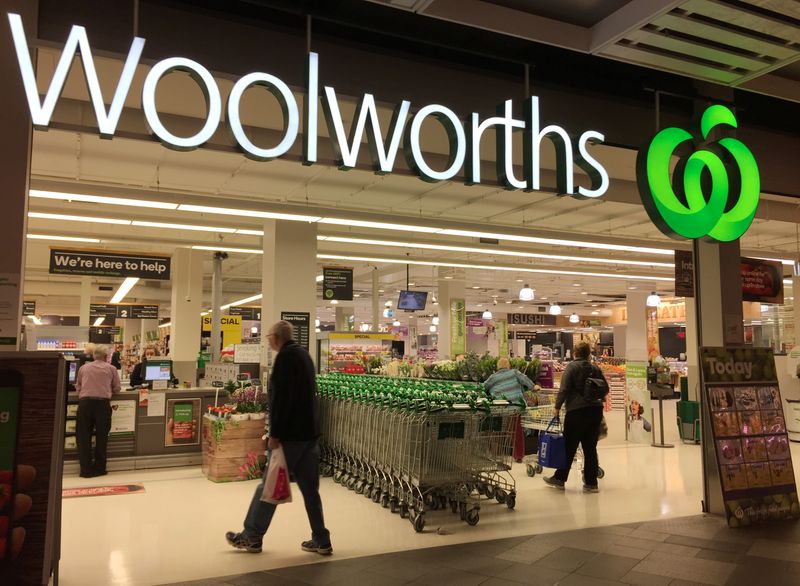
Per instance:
(41,112)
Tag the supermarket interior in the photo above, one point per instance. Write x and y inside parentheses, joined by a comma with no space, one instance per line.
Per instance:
(405,292)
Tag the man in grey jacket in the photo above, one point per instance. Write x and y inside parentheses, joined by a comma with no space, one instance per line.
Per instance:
(582,421)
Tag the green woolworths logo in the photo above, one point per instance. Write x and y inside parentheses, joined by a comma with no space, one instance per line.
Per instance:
(715,189)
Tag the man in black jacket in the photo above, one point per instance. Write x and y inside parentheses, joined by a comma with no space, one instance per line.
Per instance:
(294,425)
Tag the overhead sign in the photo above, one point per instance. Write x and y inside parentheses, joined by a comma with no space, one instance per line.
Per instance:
(247,313)
(227,323)
(302,325)
(682,206)
(464,138)
(109,310)
(749,430)
(337,283)
(28,308)
(108,264)
(531,319)
(762,280)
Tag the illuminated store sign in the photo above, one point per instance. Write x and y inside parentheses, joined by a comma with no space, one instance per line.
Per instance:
(464,136)
(683,206)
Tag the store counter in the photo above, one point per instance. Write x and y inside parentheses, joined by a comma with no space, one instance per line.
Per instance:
(149,429)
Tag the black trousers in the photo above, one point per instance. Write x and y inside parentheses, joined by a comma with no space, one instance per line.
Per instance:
(582,426)
(94,417)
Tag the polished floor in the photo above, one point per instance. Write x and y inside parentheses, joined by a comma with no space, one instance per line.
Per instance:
(174,531)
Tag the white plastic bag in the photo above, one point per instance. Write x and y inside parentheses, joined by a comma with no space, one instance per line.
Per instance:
(277,489)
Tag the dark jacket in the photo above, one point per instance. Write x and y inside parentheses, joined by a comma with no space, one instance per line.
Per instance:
(137,375)
(293,403)
(573,382)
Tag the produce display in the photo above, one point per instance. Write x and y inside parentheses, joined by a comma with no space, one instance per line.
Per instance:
(416,445)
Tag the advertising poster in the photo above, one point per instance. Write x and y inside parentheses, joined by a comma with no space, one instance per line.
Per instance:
(183,422)
(651,323)
(637,404)
(231,327)
(337,283)
(762,280)
(9,309)
(458,327)
(502,336)
(749,432)
(123,418)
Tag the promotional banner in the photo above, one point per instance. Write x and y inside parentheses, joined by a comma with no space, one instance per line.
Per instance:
(501,326)
(183,422)
(123,418)
(749,431)
(458,327)
(762,280)
(531,319)
(231,327)
(109,264)
(337,283)
(651,322)
(302,325)
(637,404)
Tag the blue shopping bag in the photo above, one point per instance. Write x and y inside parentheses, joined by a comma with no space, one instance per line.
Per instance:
(552,448)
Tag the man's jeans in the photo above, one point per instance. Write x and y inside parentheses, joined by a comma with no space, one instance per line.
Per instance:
(302,459)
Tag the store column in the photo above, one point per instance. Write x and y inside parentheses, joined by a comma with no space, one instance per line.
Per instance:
(345,321)
(15,160)
(452,318)
(84,315)
(289,284)
(186,304)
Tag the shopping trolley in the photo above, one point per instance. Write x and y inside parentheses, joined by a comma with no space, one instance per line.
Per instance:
(492,453)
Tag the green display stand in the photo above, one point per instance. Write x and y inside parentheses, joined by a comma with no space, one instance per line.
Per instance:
(688,419)
(684,388)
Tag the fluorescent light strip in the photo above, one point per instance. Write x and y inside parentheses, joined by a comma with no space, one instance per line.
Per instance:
(124,289)
(183,227)
(249,213)
(36,321)
(319,278)
(62,238)
(227,249)
(99,321)
(117,201)
(379,225)
(68,218)
(250,232)
(494,252)
(166,325)
(495,268)
(242,301)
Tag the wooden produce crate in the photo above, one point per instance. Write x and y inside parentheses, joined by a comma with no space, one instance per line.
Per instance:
(222,461)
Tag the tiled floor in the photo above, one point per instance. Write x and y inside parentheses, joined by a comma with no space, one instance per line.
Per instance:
(676,552)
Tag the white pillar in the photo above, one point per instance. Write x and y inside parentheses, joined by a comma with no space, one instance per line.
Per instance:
(186,304)
(216,302)
(692,353)
(84,318)
(448,290)
(376,301)
(289,274)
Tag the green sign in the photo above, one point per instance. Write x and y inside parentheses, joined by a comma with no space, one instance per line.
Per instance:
(714,191)
(458,327)
(502,336)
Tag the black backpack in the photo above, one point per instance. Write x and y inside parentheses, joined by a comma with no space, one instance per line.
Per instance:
(595,388)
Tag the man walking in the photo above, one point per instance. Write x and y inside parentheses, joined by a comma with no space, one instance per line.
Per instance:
(294,425)
(96,382)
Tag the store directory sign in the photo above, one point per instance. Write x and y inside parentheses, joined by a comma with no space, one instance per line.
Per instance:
(109,310)
(28,308)
(749,430)
(109,264)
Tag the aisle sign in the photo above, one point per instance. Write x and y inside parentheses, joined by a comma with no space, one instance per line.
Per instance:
(109,310)
(247,313)
(337,283)
(458,326)
(28,308)
(749,431)
(302,324)
(100,263)
(230,326)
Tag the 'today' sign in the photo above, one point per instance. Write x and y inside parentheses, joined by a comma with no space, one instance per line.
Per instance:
(464,137)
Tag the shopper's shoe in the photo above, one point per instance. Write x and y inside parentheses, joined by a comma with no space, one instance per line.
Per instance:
(239,541)
(87,474)
(100,473)
(588,488)
(314,547)
(554,482)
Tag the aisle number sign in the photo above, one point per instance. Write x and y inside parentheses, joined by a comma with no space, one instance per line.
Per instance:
(681,204)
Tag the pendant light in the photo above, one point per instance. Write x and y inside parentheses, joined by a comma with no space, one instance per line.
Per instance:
(653,300)
(432,329)
(396,323)
(435,320)
(487,314)
(555,309)
(526,293)
(573,319)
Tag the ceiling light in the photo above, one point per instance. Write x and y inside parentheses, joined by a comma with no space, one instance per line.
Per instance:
(242,301)
(316,323)
(411,284)
(99,321)
(594,304)
(254,330)
(653,300)
(319,278)
(356,295)
(432,329)
(448,277)
(118,201)
(573,319)
(317,330)
(435,320)
(576,284)
(509,302)
(632,288)
(36,321)
(365,327)
(334,302)
(247,213)
(69,218)
(62,238)
(249,232)
(595,312)
(584,293)
(475,287)
(228,249)
(124,289)
(387,304)
(526,293)
(396,323)
(379,225)
(543,298)
(555,309)
(491,267)
(193,227)
(166,325)
(487,314)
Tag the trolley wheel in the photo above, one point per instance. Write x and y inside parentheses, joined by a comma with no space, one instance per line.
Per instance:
(376,495)
(384,500)
(359,488)
(539,469)
(530,470)
(511,501)
(419,523)
(403,511)
(489,491)
(394,506)
(472,517)
(501,495)
(454,506)
(462,510)
(600,472)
